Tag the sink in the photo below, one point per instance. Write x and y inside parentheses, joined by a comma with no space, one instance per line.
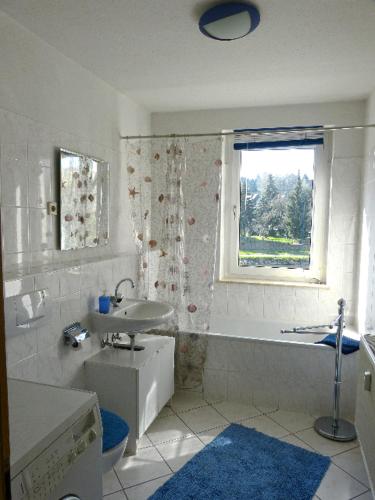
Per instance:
(132,315)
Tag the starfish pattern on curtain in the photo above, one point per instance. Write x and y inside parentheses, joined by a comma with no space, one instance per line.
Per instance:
(174,188)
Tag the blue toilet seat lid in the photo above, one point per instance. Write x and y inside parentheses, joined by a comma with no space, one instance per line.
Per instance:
(115,429)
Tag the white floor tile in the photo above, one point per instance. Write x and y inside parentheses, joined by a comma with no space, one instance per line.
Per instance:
(266,425)
(293,421)
(145,490)
(120,495)
(144,442)
(167,429)
(202,419)
(366,496)
(111,484)
(209,435)
(323,445)
(291,439)
(337,485)
(146,465)
(166,412)
(352,463)
(267,409)
(235,412)
(187,400)
(178,453)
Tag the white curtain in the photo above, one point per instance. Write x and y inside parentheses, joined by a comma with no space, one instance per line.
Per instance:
(174,188)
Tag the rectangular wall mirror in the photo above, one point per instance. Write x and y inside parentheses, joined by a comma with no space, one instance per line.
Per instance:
(84,201)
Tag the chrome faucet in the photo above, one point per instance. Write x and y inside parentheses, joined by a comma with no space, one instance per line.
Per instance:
(116,299)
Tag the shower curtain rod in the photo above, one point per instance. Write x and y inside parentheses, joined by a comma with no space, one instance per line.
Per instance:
(264,131)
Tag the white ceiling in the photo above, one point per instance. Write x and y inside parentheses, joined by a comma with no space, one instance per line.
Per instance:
(152,50)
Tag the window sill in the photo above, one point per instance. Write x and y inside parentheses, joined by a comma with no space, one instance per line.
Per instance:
(249,281)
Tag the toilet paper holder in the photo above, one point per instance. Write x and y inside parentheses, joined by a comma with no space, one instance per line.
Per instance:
(75,334)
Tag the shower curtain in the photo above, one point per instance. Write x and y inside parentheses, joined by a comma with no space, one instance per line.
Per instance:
(174,189)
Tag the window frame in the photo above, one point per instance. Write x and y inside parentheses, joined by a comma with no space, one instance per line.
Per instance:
(229,231)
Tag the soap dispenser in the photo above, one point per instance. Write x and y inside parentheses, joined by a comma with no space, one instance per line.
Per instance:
(104,303)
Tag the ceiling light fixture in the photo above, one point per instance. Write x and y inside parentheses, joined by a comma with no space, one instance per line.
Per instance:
(229,21)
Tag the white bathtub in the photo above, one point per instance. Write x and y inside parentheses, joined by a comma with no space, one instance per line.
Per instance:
(251,361)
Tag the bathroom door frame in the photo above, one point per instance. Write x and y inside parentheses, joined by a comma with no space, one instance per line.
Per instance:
(4,415)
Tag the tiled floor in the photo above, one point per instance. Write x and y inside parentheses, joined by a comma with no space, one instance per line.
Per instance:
(182,430)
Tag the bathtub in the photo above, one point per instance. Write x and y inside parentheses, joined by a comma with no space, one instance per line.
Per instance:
(268,330)
(252,362)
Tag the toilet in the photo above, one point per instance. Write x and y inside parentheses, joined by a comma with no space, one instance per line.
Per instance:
(115,438)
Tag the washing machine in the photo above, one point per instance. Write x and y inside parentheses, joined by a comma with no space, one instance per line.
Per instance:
(56,443)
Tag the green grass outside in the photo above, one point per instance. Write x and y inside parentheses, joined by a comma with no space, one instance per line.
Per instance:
(274,239)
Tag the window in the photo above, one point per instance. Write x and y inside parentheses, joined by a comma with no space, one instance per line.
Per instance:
(275,210)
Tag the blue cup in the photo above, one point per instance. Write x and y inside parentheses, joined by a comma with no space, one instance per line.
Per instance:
(104,304)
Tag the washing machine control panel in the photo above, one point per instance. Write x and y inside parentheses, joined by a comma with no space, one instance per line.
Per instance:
(40,477)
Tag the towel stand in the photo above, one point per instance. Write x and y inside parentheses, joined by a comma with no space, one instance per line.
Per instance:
(335,427)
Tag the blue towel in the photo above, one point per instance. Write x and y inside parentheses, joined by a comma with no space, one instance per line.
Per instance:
(115,429)
(348,345)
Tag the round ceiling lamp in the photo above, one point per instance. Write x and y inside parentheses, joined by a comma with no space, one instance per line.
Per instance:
(229,21)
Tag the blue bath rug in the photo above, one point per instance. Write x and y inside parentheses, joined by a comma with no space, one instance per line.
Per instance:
(243,464)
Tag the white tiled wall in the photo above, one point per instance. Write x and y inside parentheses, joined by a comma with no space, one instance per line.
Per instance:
(366,303)
(29,179)
(49,101)
(40,354)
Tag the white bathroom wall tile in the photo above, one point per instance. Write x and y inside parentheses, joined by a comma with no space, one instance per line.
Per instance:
(256,302)
(271,307)
(70,281)
(89,276)
(18,286)
(220,298)
(70,309)
(238,300)
(14,185)
(41,232)
(15,229)
(217,354)
(239,356)
(20,346)
(50,281)
(306,305)
(50,367)
(88,301)
(40,186)
(105,278)
(51,333)
(26,369)
(239,389)
(214,385)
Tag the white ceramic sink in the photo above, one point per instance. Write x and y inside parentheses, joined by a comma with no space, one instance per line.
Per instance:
(132,316)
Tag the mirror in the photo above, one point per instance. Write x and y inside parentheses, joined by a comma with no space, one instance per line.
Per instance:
(84,201)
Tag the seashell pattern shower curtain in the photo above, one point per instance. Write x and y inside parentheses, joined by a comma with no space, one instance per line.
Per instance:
(174,190)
